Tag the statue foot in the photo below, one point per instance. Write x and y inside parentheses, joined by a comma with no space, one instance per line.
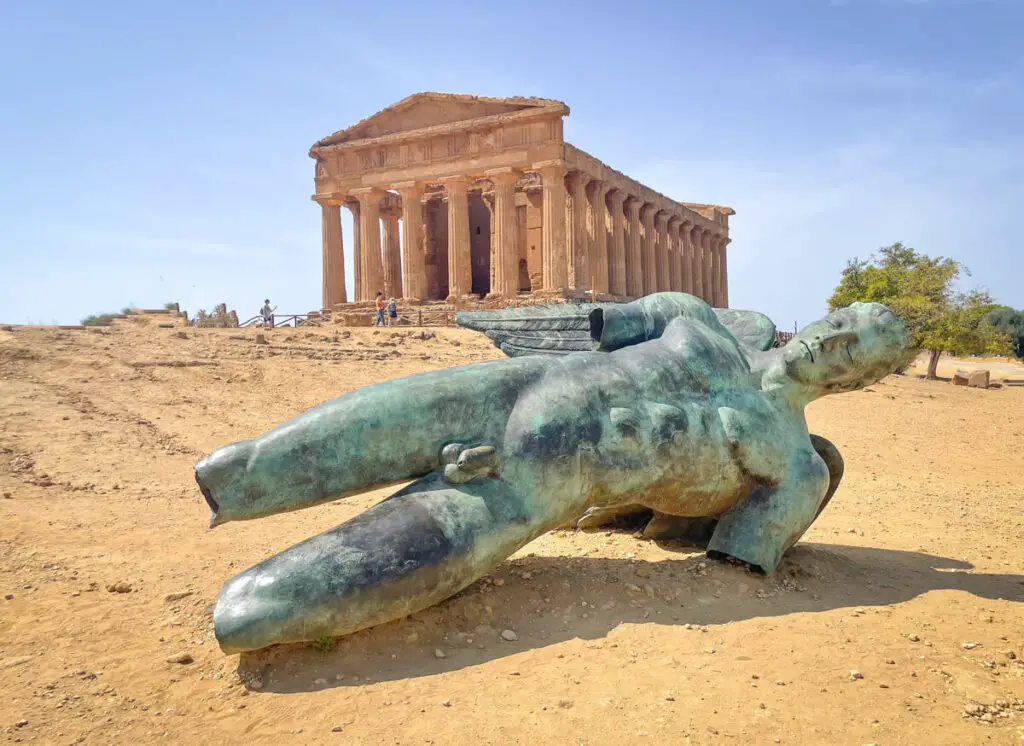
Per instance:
(463,464)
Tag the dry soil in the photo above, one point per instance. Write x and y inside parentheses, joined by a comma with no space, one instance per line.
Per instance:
(898,619)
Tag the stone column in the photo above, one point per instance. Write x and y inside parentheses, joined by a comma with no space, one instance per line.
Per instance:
(598,235)
(685,262)
(617,251)
(334,256)
(709,283)
(697,261)
(661,251)
(392,257)
(634,258)
(675,265)
(357,253)
(414,275)
(716,269)
(649,261)
(556,266)
(725,272)
(505,249)
(369,235)
(460,272)
(579,246)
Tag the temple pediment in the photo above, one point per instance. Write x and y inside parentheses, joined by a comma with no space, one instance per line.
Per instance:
(423,110)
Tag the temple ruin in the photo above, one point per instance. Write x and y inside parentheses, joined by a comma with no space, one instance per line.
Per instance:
(462,199)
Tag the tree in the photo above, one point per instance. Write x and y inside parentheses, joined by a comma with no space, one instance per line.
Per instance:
(919,289)
(1007,321)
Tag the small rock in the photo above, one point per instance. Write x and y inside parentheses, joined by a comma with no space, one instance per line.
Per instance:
(499,582)
(854,675)
(890,661)
(438,653)
(177,596)
(261,340)
(182,658)
(913,638)
(120,587)
(256,684)
(21,723)
(780,682)
(320,682)
(9,597)
(336,729)
(7,496)
(509,636)
(447,703)
(970,645)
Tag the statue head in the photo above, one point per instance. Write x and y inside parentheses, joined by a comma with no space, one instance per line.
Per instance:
(850,348)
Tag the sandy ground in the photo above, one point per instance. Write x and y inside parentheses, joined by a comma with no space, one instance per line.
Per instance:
(912,577)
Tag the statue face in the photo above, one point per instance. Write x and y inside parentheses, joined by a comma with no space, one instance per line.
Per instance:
(850,348)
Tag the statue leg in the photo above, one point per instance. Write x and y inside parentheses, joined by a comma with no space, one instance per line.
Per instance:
(405,554)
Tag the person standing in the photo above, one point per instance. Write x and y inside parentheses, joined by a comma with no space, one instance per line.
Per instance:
(268,314)
(392,312)
(380,309)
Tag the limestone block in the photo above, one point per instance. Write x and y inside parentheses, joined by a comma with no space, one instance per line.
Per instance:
(961,377)
(978,379)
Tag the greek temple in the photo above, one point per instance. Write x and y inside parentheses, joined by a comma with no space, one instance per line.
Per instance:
(466,199)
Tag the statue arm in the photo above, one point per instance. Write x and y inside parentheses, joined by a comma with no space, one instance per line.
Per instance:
(759,529)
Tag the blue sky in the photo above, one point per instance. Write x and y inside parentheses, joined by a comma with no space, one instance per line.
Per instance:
(156,152)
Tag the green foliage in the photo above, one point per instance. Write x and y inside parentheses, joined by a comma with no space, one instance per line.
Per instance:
(323,644)
(220,318)
(127,311)
(99,319)
(919,289)
(1006,320)
(172,306)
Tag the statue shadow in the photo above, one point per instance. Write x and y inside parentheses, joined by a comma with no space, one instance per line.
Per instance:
(542,599)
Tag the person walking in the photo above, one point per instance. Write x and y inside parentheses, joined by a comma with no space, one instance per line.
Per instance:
(380,309)
(392,312)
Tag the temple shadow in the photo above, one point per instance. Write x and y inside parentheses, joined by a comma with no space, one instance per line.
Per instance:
(541,598)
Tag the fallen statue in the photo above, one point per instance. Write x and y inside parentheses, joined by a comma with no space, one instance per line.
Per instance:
(663,407)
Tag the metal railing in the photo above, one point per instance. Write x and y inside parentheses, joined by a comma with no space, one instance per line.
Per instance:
(279,320)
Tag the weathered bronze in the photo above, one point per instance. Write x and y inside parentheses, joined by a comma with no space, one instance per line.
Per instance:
(680,418)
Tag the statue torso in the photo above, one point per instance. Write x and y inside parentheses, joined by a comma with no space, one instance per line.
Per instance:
(679,424)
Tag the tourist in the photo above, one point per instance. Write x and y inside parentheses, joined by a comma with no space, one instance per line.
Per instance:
(268,314)
(380,309)
(392,312)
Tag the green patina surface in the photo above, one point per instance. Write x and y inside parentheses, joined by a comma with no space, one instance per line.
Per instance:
(672,413)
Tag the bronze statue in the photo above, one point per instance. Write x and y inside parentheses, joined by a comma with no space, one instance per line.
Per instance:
(670,413)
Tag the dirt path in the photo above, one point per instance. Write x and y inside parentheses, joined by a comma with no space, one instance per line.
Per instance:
(913,577)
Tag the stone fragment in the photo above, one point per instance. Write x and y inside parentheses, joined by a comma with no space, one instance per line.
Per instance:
(182,658)
(509,636)
(120,587)
(438,653)
(855,675)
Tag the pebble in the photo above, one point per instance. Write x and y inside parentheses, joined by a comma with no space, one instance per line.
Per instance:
(336,729)
(120,587)
(21,723)
(320,682)
(970,645)
(447,703)
(509,636)
(182,658)
(177,596)
(854,675)
(438,653)
(913,638)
